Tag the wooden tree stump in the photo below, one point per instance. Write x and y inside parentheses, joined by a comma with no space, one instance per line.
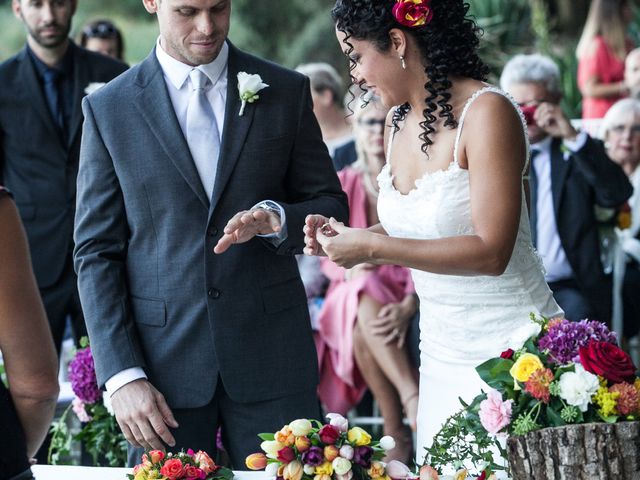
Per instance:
(592,451)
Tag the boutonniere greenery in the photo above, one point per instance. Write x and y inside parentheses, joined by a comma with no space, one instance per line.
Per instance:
(248,86)
(93,86)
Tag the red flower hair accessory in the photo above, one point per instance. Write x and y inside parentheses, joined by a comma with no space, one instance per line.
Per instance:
(413,13)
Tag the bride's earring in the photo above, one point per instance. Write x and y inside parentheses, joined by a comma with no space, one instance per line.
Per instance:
(404,65)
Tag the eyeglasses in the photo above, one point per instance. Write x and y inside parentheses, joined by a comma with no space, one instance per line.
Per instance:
(620,129)
(372,123)
(100,30)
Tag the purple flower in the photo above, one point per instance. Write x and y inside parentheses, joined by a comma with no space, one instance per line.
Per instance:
(564,339)
(82,374)
(314,456)
(362,456)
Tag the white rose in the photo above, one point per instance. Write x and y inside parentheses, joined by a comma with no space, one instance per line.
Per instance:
(577,388)
(309,469)
(93,86)
(338,421)
(341,465)
(271,469)
(388,443)
(346,451)
(301,427)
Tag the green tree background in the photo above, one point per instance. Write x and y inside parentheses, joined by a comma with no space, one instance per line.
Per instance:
(291,32)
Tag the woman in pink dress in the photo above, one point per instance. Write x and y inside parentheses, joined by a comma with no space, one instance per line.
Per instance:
(364,321)
(601,53)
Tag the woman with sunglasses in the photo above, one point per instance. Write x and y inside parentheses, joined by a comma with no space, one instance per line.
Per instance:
(102,36)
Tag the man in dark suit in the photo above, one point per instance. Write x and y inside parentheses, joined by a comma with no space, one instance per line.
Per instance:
(194,323)
(570,174)
(40,126)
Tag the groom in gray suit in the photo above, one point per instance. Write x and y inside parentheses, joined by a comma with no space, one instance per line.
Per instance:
(194,322)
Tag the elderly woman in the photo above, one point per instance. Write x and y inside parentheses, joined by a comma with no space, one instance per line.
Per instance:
(364,321)
(621,133)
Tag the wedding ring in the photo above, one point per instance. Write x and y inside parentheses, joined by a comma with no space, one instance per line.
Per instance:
(327,230)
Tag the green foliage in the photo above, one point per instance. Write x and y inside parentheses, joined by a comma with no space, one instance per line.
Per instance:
(452,447)
(101,438)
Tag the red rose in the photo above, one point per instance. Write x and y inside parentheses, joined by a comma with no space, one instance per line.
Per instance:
(286,455)
(508,354)
(608,361)
(195,473)
(412,14)
(172,469)
(329,434)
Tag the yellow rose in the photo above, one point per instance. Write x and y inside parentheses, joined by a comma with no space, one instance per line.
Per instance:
(358,437)
(376,470)
(325,469)
(462,474)
(526,364)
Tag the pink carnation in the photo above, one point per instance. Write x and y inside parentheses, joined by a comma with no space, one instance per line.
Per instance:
(77,406)
(494,413)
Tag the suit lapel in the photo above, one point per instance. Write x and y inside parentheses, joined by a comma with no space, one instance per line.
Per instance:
(29,83)
(559,170)
(156,109)
(80,80)
(235,127)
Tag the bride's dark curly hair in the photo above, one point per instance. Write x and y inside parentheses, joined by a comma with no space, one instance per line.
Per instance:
(449,44)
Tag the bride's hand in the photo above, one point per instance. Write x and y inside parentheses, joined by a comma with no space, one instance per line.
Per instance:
(312,224)
(343,245)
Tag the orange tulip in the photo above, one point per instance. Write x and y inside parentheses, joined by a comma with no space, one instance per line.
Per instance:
(303,444)
(256,461)
(331,452)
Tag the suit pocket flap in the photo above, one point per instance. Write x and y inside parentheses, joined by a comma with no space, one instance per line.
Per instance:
(283,296)
(149,312)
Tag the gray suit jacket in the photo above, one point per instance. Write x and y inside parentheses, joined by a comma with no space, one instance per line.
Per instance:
(153,292)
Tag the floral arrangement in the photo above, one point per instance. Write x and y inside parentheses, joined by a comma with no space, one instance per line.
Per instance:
(412,13)
(100,435)
(306,449)
(569,373)
(188,466)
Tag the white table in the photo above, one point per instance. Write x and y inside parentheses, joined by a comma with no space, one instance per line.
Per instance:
(49,472)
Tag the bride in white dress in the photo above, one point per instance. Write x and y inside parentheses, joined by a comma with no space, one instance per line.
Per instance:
(452,203)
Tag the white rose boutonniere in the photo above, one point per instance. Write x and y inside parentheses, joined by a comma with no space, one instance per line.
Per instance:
(93,86)
(249,86)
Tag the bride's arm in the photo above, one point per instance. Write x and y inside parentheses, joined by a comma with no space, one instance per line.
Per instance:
(493,149)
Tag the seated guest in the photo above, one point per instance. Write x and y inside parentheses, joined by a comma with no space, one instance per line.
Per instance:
(102,36)
(368,309)
(632,73)
(326,92)
(29,357)
(621,134)
(570,174)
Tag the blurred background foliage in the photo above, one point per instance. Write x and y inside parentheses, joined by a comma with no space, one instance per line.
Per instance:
(291,32)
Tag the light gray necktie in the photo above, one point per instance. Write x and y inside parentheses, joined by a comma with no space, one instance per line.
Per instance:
(202,130)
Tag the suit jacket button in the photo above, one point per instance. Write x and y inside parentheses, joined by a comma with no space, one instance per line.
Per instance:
(214,293)
(213,231)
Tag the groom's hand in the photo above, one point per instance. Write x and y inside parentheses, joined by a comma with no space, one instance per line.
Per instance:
(143,415)
(247,224)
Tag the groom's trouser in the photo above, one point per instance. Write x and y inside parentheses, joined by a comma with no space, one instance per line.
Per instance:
(241,423)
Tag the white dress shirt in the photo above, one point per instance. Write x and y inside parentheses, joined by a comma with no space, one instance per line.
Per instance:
(176,76)
(549,246)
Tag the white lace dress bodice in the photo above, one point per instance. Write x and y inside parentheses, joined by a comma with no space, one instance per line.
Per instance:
(464,320)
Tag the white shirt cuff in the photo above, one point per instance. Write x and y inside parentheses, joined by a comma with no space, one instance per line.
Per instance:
(578,143)
(120,379)
(279,237)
